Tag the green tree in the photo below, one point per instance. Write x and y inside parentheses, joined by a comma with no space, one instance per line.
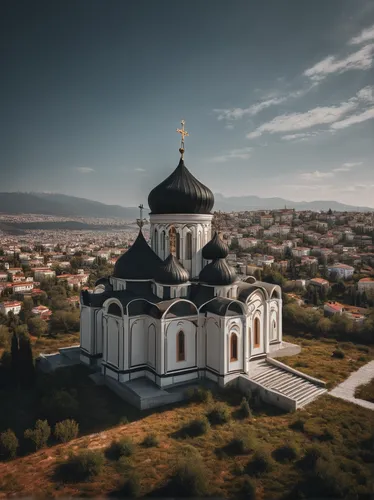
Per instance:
(8,444)
(26,367)
(40,434)
(66,430)
(37,326)
(14,358)
(4,336)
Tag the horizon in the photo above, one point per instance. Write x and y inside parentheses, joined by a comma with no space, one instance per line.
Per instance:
(92,98)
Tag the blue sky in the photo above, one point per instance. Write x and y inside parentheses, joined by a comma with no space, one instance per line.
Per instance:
(278,97)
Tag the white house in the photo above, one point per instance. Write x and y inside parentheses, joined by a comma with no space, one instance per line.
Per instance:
(342,271)
(366,285)
(10,306)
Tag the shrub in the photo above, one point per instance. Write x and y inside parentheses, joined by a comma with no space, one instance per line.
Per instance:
(312,455)
(363,348)
(219,414)
(40,434)
(196,427)
(123,420)
(249,488)
(190,478)
(338,353)
(131,487)
(122,448)
(150,440)
(82,466)
(286,453)
(241,443)
(245,410)
(199,395)
(261,462)
(66,430)
(8,444)
(60,405)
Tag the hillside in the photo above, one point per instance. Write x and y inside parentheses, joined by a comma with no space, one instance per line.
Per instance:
(237,203)
(64,205)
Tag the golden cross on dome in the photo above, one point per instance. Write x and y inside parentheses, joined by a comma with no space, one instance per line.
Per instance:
(183,134)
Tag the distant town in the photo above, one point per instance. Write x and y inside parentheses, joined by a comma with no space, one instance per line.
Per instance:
(317,257)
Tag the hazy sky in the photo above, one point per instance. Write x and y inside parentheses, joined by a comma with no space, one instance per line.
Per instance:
(278,97)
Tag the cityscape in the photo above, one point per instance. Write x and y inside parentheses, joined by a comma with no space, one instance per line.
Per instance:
(187,250)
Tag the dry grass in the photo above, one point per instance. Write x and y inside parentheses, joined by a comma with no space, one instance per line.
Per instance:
(344,430)
(316,359)
(366,391)
(49,344)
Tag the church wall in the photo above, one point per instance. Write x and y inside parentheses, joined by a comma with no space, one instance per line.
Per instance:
(170,356)
(234,327)
(138,341)
(213,342)
(114,330)
(86,329)
(99,331)
(258,309)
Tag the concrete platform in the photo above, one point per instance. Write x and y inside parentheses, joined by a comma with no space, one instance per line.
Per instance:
(284,349)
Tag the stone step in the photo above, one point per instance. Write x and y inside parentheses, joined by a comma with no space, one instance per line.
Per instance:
(308,399)
(291,386)
(284,377)
(267,376)
(286,383)
(301,390)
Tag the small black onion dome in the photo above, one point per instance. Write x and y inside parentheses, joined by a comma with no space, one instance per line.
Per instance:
(171,272)
(217,272)
(215,248)
(181,193)
(138,263)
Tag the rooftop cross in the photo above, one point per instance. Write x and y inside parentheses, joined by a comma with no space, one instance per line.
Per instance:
(184,134)
(140,222)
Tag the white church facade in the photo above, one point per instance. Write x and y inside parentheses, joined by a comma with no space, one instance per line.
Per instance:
(175,311)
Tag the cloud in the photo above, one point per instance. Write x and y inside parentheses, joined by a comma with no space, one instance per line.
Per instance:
(139,169)
(322,115)
(237,113)
(299,121)
(360,60)
(316,175)
(346,167)
(234,154)
(365,35)
(299,136)
(366,94)
(85,170)
(352,120)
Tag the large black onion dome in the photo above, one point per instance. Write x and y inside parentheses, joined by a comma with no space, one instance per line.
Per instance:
(217,272)
(215,249)
(171,272)
(181,193)
(138,263)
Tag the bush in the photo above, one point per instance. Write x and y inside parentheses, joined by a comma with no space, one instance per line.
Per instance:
(123,420)
(60,405)
(312,455)
(8,444)
(150,440)
(260,463)
(122,448)
(4,337)
(338,353)
(249,489)
(199,395)
(196,427)
(190,478)
(131,487)
(245,410)
(219,414)
(82,466)
(66,430)
(241,443)
(298,424)
(286,453)
(40,434)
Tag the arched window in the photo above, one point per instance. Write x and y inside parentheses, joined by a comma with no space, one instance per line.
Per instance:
(155,244)
(178,246)
(233,347)
(163,238)
(188,255)
(172,240)
(114,309)
(274,330)
(256,339)
(181,351)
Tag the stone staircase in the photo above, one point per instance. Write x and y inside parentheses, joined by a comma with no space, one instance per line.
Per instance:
(284,381)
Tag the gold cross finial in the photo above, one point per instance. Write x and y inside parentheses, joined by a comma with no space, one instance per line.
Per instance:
(183,134)
(140,222)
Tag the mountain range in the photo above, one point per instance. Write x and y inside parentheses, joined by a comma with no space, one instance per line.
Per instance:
(72,206)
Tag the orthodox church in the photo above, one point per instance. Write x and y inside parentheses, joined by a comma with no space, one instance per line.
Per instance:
(175,311)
